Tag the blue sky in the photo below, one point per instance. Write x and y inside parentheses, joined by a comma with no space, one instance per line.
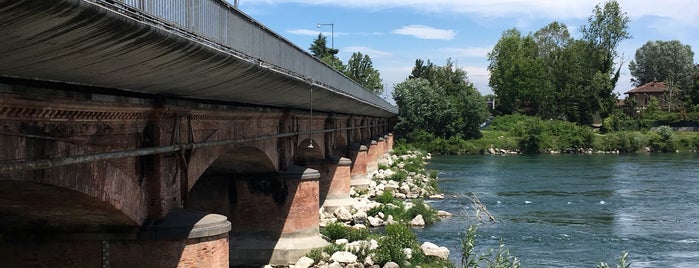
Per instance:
(396,32)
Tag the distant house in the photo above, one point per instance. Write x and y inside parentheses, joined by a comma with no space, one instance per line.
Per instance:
(644,93)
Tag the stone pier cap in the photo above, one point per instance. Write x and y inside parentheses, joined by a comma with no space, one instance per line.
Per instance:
(299,172)
(182,224)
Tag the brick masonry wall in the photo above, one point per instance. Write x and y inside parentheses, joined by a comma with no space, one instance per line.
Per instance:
(197,252)
(39,254)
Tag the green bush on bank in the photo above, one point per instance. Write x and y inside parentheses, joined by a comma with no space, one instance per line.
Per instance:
(623,141)
(399,237)
(420,208)
(338,230)
(397,209)
(527,134)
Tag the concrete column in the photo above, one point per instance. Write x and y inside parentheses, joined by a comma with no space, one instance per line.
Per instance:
(358,172)
(335,187)
(372,157)
(182,239)
(381,147)
(390,142)
(275,217)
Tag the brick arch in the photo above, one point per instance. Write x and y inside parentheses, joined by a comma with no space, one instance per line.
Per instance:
(232,160)
(29,206)
(340,146)
(94,197)
(214,190)
(304,154)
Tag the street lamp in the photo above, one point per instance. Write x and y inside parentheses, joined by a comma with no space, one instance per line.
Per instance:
(332,31)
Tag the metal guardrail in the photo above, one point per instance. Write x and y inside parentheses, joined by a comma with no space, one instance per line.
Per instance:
(223,24)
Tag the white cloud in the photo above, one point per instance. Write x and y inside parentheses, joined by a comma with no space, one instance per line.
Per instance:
(426,32)
(303,32)
(373,53)
(470,52)
(479,76)
(307,32)
(680,10)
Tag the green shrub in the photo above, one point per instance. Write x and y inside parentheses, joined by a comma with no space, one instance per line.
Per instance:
(415,164)
(316,254)
(688,140)
(631,142)
(607,143)
(397,211)
(570,135)
(354,234)
(499,258)
(362,251)
(533,139)
(663,139)
(334,231)
(507,123)
(385,198)
(622,262)
(420,208)
(391,246)
(619,121)
(468,244)
(433,173)
(403,147)
(399,176)
(337,230)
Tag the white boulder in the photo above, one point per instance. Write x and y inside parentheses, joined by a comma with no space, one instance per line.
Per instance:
(343,214)
(304,262)
(417,221)
(431,249)
(343,257)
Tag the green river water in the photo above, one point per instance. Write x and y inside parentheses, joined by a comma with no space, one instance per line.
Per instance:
(575,210)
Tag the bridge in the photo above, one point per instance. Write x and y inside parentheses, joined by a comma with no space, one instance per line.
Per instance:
(156,133)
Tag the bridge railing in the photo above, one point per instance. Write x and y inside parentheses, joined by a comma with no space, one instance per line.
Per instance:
(220,22)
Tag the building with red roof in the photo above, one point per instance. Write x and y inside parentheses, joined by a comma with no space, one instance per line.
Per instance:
(644,93)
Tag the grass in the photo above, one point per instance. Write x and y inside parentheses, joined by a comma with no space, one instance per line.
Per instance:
(337,230)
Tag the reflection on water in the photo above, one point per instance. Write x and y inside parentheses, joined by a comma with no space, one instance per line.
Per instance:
(576,210)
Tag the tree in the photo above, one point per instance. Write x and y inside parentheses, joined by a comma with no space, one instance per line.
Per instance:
(422,107)
(319,48)
(606,28)
(551,39)
(666,61)
(518,76)
(472,112)
(440,101)
(422,69)
(502,69)
(360,69)
(694,89)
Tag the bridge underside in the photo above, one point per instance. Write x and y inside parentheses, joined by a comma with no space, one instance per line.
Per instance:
(121,135)
(82,43)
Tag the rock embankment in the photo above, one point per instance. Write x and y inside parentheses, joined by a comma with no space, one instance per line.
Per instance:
(396,189)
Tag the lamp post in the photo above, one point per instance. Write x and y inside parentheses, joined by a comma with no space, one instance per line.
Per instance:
(332,32)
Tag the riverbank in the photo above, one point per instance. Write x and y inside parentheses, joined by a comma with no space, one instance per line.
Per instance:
(517,134)
(376,231)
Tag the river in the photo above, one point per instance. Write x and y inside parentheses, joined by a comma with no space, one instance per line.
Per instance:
(574,210)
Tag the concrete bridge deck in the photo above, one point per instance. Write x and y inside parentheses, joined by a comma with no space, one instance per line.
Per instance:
(170,134)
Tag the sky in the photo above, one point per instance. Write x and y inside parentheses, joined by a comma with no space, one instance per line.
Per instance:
(394,33)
